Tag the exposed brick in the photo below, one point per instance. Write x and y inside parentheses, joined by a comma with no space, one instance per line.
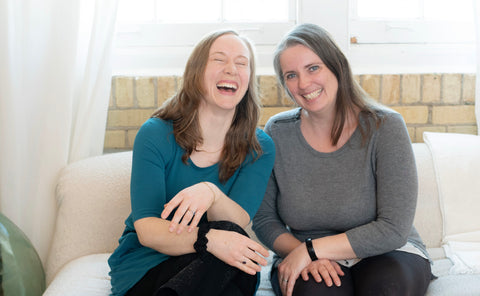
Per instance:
(468,93)
(371,85)
(463,129)
(268,90)
(114,139)
(128,117)
(268,112)
(166,87)
(451,88)
(453,115)
(285,99)
(413,114)
(411,133)
(145,92)
(420,130)
(390,89)
(131,134)
(411,88)
(357,78)
(431,88)
(111,103)
(124,92)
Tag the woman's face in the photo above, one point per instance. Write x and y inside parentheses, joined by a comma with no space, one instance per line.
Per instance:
(312,85)
(227,73)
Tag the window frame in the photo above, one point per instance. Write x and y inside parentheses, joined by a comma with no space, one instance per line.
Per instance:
(334,16)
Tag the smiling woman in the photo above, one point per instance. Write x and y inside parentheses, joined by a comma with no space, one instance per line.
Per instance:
(194,163)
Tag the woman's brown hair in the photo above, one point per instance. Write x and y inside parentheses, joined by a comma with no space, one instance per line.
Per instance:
(350,96)
(182,110)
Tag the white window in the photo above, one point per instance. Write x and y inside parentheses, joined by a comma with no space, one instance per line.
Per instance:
(159,34)
(412,21)
(155,37)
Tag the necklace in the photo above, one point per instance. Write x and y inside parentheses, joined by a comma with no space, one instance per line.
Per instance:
(203,150)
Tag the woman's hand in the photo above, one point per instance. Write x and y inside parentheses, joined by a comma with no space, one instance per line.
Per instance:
(327,269)
(237,250)
(291,267)
(191,203)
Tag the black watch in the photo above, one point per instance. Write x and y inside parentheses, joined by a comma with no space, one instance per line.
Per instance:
(310,249)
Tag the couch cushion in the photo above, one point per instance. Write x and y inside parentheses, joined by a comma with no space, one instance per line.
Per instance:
(86,275)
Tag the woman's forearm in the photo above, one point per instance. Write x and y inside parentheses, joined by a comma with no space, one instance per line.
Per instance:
(153,233)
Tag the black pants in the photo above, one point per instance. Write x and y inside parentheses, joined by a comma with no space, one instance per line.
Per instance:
(394,273)
(190,275)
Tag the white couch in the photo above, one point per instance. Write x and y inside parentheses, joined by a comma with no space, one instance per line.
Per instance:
(93,202)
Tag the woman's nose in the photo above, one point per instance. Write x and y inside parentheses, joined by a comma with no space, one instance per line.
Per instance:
(303,81)
(230,68)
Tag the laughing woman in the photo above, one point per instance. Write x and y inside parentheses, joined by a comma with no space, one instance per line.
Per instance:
(339,207)
(199,172)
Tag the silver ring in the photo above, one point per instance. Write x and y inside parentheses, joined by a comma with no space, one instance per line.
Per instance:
(193,212)
(284,280)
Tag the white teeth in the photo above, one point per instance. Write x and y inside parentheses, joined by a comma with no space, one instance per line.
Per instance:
(313,95)
(227,85)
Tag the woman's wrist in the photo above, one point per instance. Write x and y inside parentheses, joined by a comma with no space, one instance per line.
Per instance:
(213,190)
(310,249)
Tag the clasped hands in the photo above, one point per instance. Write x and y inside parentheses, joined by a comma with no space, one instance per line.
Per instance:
(299,263)
(231,247)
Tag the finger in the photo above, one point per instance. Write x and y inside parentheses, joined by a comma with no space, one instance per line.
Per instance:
(187,217)
(181,210)
(338,268)
(196,219)
(316,275)
(325,275)
(290,285)
(255,257)
(283,284)
(334,275)
(253,245)
(245,267)
(304,274)
(170,206)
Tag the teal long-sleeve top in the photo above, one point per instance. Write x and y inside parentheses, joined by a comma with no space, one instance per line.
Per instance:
(158,174)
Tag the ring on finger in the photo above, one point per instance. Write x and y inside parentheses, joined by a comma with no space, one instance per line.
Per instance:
(193,212)
(285,281)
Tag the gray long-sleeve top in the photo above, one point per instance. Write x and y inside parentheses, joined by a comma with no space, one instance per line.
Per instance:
(368,191)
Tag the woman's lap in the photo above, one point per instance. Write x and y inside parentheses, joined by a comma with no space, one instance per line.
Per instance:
(393,273)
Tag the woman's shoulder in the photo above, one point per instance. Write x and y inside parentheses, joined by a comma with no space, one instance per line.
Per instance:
(155,131)
(156,126)
(265,140)
(283,118)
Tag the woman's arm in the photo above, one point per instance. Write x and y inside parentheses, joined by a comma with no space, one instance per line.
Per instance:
(230,247)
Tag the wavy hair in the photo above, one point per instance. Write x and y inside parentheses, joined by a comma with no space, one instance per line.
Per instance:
(182,110)
(350,96)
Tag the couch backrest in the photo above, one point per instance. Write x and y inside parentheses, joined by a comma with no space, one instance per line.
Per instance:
(428,217)
(93,199)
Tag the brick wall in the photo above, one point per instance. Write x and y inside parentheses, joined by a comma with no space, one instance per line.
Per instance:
(428,102)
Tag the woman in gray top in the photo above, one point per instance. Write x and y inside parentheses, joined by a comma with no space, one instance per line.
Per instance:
(340,203)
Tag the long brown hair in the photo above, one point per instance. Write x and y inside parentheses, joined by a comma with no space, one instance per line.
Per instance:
(350,96)
(182,110)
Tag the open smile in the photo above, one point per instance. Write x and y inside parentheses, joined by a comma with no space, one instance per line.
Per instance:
(312,95)
(227,87)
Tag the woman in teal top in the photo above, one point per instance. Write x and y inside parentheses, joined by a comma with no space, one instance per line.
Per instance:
(199,172)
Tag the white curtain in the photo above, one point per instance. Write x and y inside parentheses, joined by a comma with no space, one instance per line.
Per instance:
(55,83)
(476,9)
